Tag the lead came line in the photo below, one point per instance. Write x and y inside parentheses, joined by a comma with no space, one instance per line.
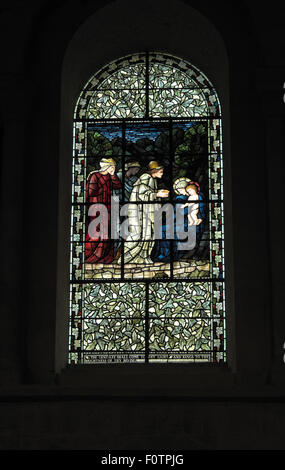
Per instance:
(147,84)
(147,323)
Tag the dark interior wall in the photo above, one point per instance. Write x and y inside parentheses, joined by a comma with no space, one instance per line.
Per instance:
(240,406)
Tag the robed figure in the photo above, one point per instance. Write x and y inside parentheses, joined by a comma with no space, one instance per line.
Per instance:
(142,206)
(127,180)
(166,249)
(130,177)
(188,213)
(99,247)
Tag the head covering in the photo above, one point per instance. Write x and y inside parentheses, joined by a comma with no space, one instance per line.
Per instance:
(131,165)
(105,163)
(154,165)
(180,183)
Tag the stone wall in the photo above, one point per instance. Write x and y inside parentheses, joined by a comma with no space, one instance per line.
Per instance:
(50,51)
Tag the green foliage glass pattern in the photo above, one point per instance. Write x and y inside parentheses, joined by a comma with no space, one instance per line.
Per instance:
(177,299)
(105,334)
(112,104)
(168,76)
(147,86)
(177,102)
(115,300)
(181,334)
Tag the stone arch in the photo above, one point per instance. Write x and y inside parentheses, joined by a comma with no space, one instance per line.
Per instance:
(90,49)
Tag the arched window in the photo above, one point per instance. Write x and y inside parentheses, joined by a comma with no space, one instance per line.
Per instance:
(147,157)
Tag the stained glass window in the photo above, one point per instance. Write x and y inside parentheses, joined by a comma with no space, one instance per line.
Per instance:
(147,277)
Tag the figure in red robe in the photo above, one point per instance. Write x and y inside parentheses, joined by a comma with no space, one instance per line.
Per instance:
(99,189)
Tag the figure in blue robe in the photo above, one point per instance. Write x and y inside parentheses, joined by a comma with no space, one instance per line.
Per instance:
(162,248)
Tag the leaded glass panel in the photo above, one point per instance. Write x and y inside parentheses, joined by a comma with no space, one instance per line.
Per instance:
(147,141)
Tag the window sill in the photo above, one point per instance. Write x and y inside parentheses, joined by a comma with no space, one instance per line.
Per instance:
(148,379)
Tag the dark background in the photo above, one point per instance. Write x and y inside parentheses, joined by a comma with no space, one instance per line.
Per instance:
(44,405)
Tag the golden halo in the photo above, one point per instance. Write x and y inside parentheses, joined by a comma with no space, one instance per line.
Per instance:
(180,183)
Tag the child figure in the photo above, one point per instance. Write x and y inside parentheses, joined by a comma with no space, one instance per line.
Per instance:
(192,190)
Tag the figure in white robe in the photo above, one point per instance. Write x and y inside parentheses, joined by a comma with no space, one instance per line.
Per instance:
(139,243)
